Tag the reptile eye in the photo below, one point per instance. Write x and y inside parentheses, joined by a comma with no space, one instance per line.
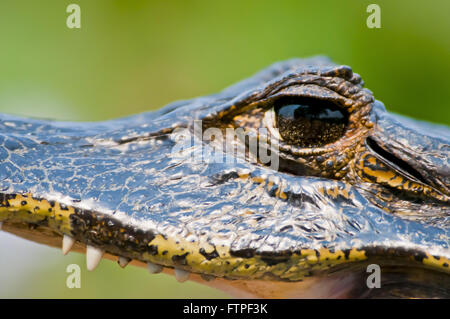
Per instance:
(306,122)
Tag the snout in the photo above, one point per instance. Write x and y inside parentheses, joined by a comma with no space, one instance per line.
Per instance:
(410,155)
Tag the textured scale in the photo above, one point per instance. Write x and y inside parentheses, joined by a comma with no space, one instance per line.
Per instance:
(117,185)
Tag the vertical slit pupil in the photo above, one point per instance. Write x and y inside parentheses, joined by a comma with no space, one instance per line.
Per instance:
(307,122)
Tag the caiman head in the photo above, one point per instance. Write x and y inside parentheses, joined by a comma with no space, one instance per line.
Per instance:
(288,184)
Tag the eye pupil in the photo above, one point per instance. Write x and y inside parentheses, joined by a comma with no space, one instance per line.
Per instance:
(310,122)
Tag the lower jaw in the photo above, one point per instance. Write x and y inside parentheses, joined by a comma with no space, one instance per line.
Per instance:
(397,281)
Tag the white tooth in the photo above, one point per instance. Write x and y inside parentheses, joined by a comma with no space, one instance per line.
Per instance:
(67,244)
(181,275)
(153,268)
(123,261)
(93,257)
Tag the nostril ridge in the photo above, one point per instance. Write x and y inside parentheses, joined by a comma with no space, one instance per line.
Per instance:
(404,166)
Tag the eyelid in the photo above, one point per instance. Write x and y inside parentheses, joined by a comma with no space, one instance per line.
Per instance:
(269,121)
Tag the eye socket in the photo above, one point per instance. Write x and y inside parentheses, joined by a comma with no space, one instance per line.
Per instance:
(306,122)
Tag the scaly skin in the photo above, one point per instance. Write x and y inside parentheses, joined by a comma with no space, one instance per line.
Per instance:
(378,194)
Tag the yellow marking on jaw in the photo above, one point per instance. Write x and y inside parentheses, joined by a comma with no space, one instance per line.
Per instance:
(24,208)
(335,257)
(195,261)
(356,254)
(327,256)
(307,252)
(442,263)
(293,268)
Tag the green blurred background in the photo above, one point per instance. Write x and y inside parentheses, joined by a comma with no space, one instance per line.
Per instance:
(134,56)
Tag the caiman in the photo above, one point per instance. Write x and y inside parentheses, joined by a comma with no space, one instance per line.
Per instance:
(348,185)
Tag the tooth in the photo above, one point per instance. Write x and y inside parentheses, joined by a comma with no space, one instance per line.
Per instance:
(93,257)
(153,268)
(123,261)
(181,275)
(67,244)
